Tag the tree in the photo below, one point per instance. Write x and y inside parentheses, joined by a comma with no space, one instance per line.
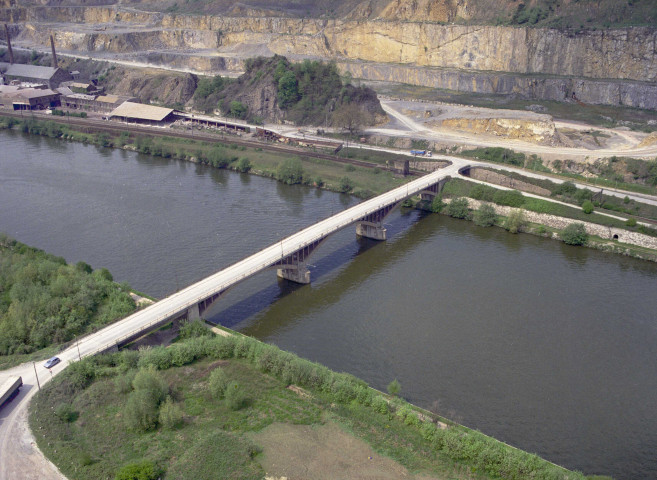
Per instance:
(394,388)
(290,171)
(238,109)
(485,215)
(575,234)
(350,117)
(288,91)
(458,208)
(587,207)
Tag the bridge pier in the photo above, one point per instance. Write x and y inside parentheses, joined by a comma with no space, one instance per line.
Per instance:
(373,230)
(429,193)
(295,273)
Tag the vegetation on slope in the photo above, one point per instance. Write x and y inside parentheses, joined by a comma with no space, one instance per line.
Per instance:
(200,403)
(45,301)
(274,89)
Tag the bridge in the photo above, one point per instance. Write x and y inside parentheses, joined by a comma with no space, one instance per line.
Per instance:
(287,256)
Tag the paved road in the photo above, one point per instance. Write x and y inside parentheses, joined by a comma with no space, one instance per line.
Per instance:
(418,130)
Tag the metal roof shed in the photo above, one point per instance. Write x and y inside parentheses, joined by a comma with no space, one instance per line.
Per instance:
(138,112)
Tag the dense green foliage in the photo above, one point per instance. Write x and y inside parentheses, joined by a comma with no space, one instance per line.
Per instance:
(260,374)
(574,234)
(498,155)
(458,208)
(309,92)
(290,171)
(44,301)
(485,215)
(138,471)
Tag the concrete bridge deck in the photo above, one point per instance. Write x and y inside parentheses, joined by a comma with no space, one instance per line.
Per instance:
(193,300)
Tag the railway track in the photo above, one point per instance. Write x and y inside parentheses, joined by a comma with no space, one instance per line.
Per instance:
(90,125)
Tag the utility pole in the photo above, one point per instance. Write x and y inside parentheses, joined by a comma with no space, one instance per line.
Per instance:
(36,375)
(78,345)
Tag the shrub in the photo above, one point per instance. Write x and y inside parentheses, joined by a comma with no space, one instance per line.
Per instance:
(145,470)
(345,185)
(141,411)
(290,171)
(458,208)
(244,165)
(510,198)
(123,383)
(171,415)
(483,192)
(587,206)
(235,396)
(515,221)
(379,404)
(217,382)
(485,215)
(65,413)
(158,357)
(437,204)
(194,328)
(574,234)
(630,222)
(149,380)
(394,387)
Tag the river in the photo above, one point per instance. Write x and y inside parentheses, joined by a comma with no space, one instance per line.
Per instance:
(548,347)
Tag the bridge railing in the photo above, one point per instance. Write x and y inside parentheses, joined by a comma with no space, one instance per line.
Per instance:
(271,255)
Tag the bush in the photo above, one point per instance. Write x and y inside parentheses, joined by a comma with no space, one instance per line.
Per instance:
(141,411)
(515,221)
(630,222)
(483,192)
(575,234)
(510,198)
(65,413)
(345,185)
(587,207)
(485,215)
(193,329)
(437,204)
(235,396)
(145,470)
(218,382)
(171,415)
(290,171)
(458,208)
(244,165)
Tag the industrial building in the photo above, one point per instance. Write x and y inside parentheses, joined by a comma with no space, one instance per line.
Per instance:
(140,113)
(49,76)
(92,103)
(20,98)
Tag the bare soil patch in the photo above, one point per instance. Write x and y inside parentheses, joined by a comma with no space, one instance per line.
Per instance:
(322,452)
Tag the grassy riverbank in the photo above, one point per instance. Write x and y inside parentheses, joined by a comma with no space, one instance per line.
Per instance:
(459,189)
(331,175)
(219,402)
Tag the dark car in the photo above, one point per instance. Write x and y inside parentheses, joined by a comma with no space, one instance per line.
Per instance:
(51,362)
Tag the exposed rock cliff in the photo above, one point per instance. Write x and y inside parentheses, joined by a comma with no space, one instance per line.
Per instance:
(614,66)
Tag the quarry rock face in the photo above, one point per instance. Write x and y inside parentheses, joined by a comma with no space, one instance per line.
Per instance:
(614,66)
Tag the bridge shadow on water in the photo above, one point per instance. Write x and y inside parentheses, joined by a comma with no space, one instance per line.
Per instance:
(404,231)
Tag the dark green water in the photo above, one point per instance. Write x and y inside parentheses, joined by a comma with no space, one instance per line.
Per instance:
(550,348)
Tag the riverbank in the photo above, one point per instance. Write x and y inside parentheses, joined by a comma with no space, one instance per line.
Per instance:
(223,397)
(360,181)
